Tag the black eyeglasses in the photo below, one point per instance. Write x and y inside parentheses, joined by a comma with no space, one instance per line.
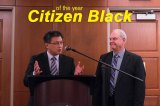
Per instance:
(57,43)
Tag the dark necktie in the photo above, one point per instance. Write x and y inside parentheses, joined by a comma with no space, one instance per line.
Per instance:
(112,77)
(53,68)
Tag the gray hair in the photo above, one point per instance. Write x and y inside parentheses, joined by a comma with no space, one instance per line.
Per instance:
(121,33)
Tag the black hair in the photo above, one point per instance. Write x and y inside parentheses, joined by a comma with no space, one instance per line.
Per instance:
(48,36)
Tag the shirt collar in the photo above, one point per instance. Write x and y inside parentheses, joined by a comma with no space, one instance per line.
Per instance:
(50,56)
(120,53)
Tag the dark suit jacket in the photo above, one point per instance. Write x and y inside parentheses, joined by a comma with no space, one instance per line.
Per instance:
(66,68)
(128,91)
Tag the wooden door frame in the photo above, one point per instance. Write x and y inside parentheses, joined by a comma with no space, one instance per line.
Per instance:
(12,10)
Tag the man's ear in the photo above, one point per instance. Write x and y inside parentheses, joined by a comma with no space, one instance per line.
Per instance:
(124,40)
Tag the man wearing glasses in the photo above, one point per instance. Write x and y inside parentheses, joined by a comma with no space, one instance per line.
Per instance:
(52,61)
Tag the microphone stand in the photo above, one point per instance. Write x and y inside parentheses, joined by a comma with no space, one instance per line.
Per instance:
(67,48)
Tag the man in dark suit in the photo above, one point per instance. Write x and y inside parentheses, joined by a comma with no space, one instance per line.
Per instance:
(52,61)
(120,89)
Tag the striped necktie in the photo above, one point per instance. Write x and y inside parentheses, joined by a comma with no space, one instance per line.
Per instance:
(112,77)
(53,68)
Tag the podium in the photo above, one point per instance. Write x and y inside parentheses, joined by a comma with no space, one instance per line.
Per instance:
(62,91)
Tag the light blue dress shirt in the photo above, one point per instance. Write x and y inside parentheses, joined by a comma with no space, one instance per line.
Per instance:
(121,54)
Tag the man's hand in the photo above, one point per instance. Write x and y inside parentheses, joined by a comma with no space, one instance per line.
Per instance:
(37,70)
(79,69)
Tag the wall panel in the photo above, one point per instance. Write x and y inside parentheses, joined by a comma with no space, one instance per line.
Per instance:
(146,34)
(151,73)
(1,32)
(21,98)
(0,79)
(151,101)
(133,3)
(34,3)
(83,2)
(7,2)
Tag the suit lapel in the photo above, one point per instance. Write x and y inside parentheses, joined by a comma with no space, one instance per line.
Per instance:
(46,64)
(61,64)
(108,60)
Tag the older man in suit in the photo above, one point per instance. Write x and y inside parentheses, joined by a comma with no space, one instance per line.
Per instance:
(52,61)
(120,89)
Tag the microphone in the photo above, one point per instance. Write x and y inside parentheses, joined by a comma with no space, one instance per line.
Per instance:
(68,48)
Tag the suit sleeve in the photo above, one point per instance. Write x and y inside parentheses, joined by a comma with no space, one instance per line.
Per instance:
(140,86)
(72,67)
(97,87)
(29,71)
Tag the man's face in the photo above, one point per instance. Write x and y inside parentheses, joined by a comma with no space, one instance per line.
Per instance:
(55,46)
(116,42)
